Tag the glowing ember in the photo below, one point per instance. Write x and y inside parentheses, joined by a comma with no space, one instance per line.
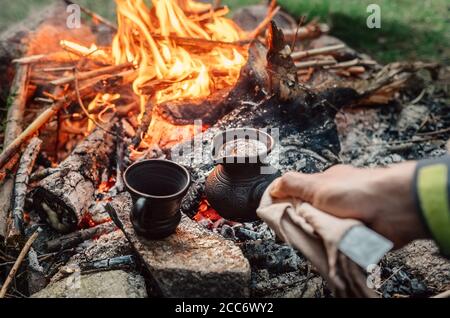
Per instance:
(86,221)
(205,211)
(105,186)
(146,37)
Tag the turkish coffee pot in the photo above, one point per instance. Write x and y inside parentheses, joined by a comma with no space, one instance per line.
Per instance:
(241,174)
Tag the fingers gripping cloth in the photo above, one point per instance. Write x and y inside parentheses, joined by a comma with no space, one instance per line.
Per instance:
(317,236)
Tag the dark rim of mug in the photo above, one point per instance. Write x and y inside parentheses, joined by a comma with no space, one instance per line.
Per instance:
(188,182)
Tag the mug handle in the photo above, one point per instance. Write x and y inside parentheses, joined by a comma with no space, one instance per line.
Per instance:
(139,207)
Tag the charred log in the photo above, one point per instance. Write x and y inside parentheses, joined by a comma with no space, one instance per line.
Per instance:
(250,86)
(16,228)
(18,93)
(73,239)
(64,197)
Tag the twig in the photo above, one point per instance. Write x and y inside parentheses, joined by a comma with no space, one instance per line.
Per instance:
(18,92)
(91,74)
(143,127)
(61,56)
(208,14)
(356,69)
(390,276)
(8,170)
(6,256)
(309,31)
(73,239)
(94,15)
(327,49)
(196,42)
(30,59)
(262,26)
(40,121)
(85,110)
(344,64)
(436,132)
(294,40)
(272,5)
(37,124)
(418,98)
(312,63)
(445,294)
(400,142)
(18,262)
(44,100)
(58,69)
(20,189)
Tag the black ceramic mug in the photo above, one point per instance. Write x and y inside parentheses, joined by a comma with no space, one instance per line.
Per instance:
(157,188)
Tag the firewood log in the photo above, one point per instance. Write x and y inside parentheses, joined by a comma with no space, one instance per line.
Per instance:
(64,197)
(15,230)
(14,119)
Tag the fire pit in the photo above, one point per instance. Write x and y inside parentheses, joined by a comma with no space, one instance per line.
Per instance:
(160,85)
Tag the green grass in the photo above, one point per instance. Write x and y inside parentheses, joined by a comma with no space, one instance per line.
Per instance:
(410,29)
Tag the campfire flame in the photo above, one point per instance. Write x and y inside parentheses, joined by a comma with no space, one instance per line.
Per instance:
(146,37)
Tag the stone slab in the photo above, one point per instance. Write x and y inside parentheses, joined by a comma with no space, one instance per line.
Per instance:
(193,262)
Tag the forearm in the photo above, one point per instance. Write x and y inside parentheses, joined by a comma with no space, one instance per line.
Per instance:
(431,185)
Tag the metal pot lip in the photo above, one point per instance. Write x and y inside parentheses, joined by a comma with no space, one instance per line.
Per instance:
(132,190)
(256,159)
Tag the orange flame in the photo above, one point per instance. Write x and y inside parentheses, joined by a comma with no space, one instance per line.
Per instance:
(145,37)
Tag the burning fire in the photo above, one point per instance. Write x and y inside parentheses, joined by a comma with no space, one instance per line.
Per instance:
(176,49)
(148,37)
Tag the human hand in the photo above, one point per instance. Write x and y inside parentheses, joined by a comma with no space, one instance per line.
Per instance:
(382,198)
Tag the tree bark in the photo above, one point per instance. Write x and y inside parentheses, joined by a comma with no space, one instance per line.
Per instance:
(18,92)
(16,231)
(64,197)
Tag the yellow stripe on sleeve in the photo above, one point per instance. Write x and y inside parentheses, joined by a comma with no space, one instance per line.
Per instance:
(433,196)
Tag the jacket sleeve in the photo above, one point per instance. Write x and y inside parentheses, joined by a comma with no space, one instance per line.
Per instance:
(432,193)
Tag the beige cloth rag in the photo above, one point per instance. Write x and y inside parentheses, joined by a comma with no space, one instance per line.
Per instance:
(316,235)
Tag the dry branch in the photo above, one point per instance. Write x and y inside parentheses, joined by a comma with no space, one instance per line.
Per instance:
(18,262)
(8,168)
(75,238)
(309,31)
(61,56)
(263,25)
(63,198)
(140,133)
(198,43)
(92,74)
(20,190)
(18,92)
(323,50)
(312,63)
(94,15)
(344,64)
(37,124)
(30,59)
